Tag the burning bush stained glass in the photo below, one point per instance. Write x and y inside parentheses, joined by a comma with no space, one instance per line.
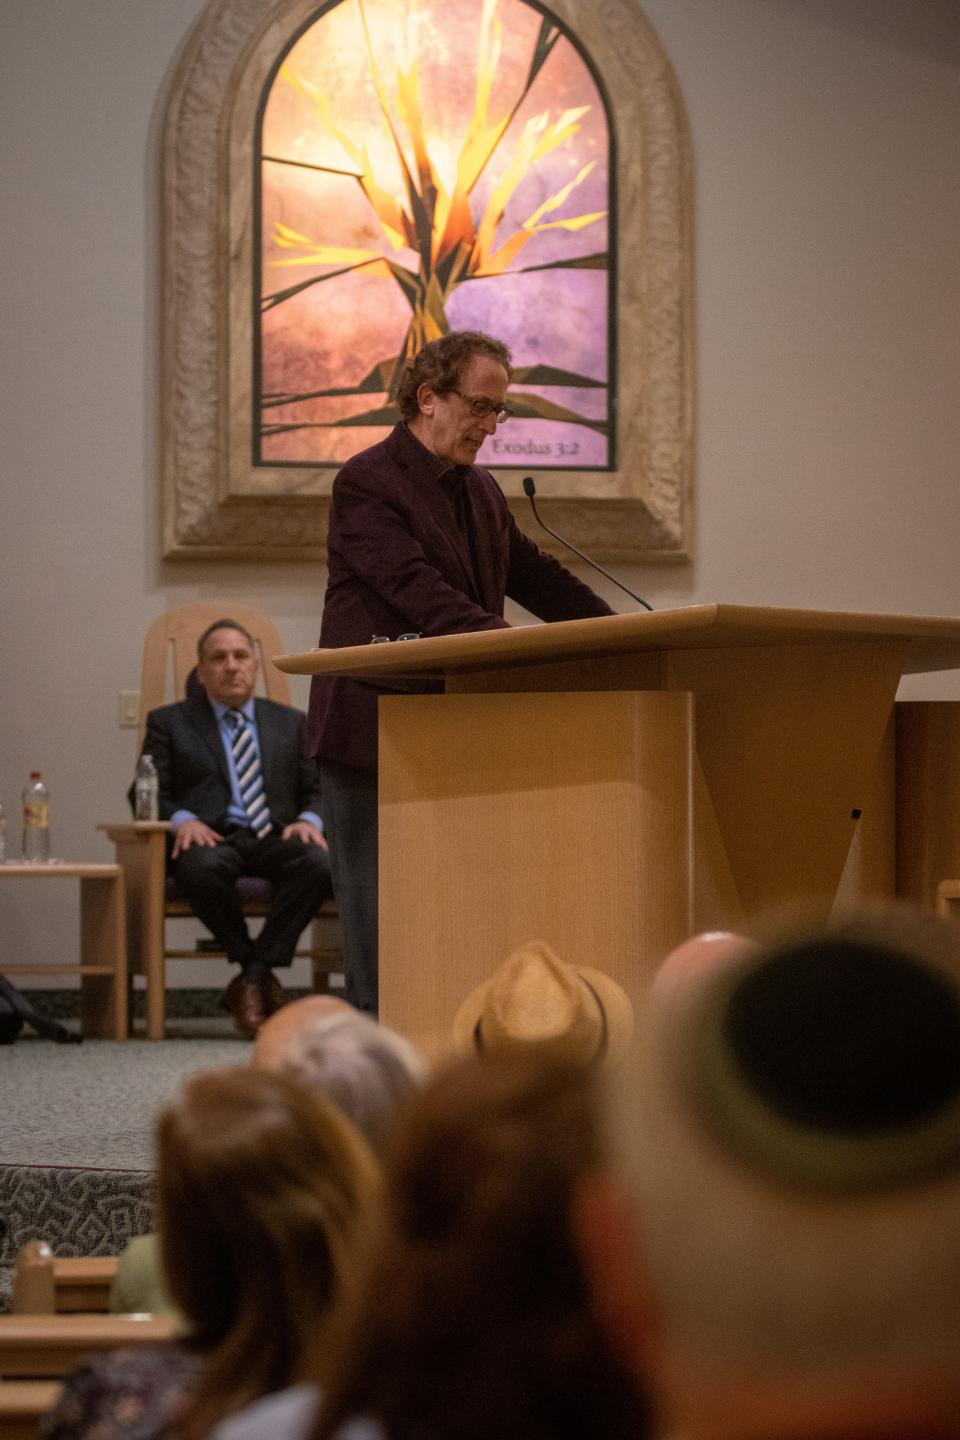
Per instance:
(428,165)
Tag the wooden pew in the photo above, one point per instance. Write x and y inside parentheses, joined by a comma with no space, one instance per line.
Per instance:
(23,1405)
(44,1284)
(43,1347)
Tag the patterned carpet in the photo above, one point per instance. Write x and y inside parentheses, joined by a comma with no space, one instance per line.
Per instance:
(78,1212)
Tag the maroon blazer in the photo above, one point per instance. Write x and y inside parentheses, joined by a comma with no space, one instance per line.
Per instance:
(398,560)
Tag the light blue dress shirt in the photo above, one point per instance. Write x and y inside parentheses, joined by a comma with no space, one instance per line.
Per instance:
(236,811)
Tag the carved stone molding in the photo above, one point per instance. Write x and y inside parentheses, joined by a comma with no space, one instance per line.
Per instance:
(215,502)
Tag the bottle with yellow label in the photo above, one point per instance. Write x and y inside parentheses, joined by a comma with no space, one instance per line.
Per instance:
(36,819)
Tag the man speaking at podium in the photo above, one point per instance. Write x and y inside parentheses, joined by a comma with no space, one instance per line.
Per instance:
(421,541)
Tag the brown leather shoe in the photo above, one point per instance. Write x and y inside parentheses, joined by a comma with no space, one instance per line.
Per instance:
(247,1002)
(275,995)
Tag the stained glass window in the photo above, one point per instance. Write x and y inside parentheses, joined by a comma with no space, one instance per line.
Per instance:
(428,165)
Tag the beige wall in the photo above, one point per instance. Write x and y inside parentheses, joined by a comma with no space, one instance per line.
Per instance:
(827,165)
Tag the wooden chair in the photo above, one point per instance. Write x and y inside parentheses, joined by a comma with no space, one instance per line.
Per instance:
(23,1406)
(44,1284)
(44,1347)
(151,897)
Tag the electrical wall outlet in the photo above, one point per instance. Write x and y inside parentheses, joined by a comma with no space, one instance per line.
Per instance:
(129,708)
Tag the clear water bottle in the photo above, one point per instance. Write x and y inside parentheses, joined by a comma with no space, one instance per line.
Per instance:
(3,833)
(146,790)
(36,820)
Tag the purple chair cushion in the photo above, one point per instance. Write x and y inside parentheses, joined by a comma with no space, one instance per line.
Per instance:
(251,889)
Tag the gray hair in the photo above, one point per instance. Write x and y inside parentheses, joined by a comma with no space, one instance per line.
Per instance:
(225,624)
(366,1070)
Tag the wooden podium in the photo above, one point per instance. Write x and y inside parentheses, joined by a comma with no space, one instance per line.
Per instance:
(611,785)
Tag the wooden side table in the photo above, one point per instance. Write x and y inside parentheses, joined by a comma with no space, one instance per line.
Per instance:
(104,997)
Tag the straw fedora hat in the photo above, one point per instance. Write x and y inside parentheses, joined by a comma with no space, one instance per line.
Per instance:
(534,999)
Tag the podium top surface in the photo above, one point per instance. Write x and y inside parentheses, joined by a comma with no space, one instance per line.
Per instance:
(931,642)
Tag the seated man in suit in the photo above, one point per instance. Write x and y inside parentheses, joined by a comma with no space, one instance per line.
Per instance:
(242,800)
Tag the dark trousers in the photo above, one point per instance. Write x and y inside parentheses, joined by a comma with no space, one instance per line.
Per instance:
(350,820)
(299,874)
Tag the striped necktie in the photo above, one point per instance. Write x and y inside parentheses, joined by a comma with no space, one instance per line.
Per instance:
(249,775)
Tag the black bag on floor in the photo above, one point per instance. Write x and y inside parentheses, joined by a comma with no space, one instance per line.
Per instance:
(16,1010)
(10,1022)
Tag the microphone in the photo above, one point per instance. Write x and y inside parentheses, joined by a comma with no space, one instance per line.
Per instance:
(530,490)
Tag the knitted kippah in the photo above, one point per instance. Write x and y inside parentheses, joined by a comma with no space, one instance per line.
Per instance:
(832,1065)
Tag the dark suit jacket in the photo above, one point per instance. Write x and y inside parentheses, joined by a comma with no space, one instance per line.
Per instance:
(185,743)
(398,561)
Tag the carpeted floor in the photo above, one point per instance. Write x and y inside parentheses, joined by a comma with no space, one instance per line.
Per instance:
(76,1134)
(91,1106)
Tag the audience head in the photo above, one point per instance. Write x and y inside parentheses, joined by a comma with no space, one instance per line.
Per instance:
(262,1188)
(701,953)
(227,662)
(474,1317)
(282,1031)
(366,1070)
(781,1246)
(535,1002)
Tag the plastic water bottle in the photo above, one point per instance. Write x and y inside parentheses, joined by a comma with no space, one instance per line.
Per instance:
(3,833)
(36,820)
(146,790)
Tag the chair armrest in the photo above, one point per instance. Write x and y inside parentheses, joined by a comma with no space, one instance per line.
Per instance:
(34,1291)
(45,1284)
(141,852)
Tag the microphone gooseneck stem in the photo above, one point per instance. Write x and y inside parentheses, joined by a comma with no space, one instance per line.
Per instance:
(529,490)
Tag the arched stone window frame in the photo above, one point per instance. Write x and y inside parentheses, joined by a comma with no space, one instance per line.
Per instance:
(216,503)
